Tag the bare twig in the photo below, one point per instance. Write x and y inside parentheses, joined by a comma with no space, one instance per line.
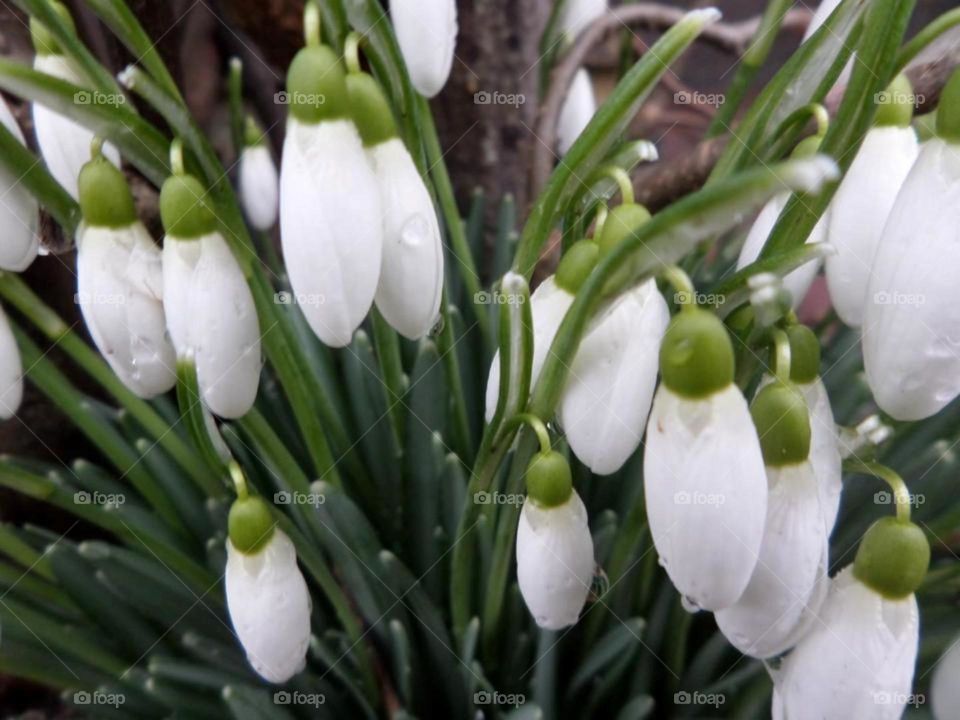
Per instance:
(732,37)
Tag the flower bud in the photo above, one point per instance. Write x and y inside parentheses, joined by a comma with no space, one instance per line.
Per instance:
(259,182)
(620,223)
(427,35)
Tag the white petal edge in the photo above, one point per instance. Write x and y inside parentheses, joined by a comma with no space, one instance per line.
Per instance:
(607,398)
(11,371)
(554,561)
(944,688)
(427,35)
(259,187)
(706,494)
(269,607)
(578,109)
(331,226)
(411,275)
(19,211)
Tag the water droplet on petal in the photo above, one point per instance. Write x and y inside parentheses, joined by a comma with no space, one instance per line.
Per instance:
(415,231)
(689,605)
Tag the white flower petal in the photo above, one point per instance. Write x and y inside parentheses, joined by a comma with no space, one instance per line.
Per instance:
(555,561)
(859,210)
(577,111)
(790,579)
(270,607)
(856,663)
(331,226)
(944,688)
(706,494)
(259,186)
(427,35)
(19,212)
(577,14)
(11,371)
(64,144)
(119,287)
(411,275)
(911,345)
(607,398)
(224,332)
(799,281)
(824,450)
(548,305)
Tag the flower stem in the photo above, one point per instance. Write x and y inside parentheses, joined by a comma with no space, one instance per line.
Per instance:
(681,282)
(536,424)
(351,52)
(781,349)
(623,181)
(901,494)
(311,24)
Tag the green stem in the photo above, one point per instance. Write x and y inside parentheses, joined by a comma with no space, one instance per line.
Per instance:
(311,24)
(388,353)
(901,494)
(927,35)
(781,349)
(235,97)
(753,59)
(536,424)
(623,181)
(682,284)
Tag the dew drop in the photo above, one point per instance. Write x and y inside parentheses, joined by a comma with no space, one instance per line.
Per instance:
(415,231)
(689,605)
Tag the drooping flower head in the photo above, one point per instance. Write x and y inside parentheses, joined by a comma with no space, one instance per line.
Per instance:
(411,275)
(427,35)
(64,144)
(554,548)
(704,479)
(331,224)
(259,184)
(267,597)
(210,311)
(120,282)
(19,212)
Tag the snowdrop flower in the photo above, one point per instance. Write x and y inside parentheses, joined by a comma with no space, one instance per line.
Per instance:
(704,480)
(120,282)
(331,225)
(857,662)
(19,212)
(427,35)
(267,597)
(11,371)
(789,581)
(554,549)
(259,184)
(577,14)
(548,305)
(824,435)
(944,690)
(411,274)
(862,203)
(607,398)
(64,144)
(210,312)
(911,350)
(577,111)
